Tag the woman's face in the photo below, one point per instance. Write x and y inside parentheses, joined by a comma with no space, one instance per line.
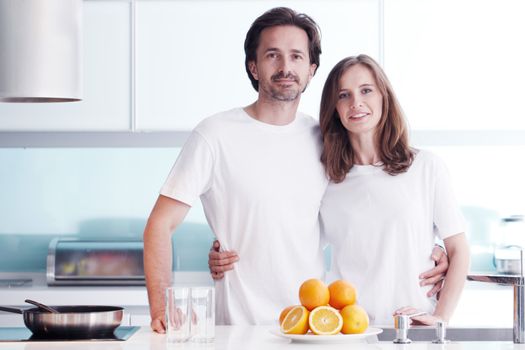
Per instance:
(359,104)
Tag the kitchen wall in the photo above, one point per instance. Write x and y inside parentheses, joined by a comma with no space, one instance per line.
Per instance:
(153,69)
(86,193)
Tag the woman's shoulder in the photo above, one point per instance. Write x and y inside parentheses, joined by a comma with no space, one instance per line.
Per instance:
(428,159)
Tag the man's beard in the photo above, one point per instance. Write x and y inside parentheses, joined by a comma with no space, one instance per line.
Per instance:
(288,94)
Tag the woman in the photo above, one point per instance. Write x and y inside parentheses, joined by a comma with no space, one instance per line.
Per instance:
(387,201)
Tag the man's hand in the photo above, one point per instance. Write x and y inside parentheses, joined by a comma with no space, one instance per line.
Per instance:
(158,324)
(437,274)
(220,262)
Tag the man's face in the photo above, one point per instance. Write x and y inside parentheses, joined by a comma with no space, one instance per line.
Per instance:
(283,66)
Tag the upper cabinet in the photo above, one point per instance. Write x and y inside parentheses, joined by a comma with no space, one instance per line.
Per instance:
(164,65)
(457,65)
(190,54)
(106,103)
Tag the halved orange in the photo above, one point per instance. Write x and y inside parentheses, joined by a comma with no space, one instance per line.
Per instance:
(296,321)
(325,320)
(285,311)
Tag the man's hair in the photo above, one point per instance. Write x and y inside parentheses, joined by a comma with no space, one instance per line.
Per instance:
(391,134)
(281,16)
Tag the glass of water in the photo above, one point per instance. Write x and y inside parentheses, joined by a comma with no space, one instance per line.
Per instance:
(203,314)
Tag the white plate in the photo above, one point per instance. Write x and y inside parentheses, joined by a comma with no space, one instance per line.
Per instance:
(336,338)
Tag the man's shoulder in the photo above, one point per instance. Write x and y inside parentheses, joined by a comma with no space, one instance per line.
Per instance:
(221,117)
(307,119)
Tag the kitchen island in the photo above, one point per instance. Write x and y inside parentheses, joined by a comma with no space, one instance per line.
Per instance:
(248,337)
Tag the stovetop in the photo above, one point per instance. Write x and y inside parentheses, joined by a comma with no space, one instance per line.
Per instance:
(22,334)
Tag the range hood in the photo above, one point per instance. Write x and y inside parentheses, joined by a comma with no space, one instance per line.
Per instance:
(40,50)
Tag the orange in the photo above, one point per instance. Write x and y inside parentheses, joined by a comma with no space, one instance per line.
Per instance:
(296,321)
(342,293)
(285,312)
(313,293)
(325,320)
(355,319)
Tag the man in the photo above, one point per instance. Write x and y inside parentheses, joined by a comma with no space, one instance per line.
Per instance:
(257,172)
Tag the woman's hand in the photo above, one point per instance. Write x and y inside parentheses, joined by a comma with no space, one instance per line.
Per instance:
(425,319)
(220,262)
(436,275)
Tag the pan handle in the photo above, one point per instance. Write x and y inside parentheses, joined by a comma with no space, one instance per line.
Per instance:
(11,309)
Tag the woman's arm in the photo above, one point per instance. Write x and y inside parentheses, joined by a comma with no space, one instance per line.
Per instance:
(459,259)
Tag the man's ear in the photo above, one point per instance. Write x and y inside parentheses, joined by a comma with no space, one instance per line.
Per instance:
(313,67)
(252,66)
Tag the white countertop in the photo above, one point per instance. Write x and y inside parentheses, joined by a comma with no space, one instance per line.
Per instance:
(481,304)
(252,338)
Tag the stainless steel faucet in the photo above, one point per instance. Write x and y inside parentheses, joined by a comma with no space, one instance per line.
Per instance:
(441,333)
(518,282)
(401,325)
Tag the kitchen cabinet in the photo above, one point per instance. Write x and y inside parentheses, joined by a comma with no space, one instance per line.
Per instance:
(190,57)
(453,65)
(106,79)
(157,65)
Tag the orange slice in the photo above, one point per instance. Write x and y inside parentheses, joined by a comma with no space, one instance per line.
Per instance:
(296,321)
(284,313)
(325,320)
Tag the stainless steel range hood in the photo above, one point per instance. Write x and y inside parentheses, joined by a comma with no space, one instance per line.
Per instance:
(40,50)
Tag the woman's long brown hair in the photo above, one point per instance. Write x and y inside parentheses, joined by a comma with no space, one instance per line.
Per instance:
(391,134)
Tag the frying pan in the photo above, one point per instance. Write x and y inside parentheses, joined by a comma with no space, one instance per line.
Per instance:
(79,321)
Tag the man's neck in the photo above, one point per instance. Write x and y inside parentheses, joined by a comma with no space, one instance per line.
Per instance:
(273,112)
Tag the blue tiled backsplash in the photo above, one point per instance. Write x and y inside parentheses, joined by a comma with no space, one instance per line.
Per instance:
(87,193)
(109,193)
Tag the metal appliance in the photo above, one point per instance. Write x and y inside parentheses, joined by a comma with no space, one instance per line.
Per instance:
(511,241)
(90,262)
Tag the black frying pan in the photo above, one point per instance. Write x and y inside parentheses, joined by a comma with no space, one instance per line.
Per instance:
(71,321)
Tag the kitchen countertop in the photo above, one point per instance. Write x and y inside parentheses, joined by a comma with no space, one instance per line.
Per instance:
(249,337)
(497,300)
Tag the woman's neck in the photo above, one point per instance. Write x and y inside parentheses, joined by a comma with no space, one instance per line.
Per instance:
(365,149)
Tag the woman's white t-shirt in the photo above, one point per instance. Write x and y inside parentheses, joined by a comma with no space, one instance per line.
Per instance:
(383,229)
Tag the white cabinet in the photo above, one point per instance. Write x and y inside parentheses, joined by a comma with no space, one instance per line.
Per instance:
(190,55)
(106,79)
(457,65)
(157,65)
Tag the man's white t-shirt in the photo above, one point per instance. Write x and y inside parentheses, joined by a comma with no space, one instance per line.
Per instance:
(261,187)
(383,229)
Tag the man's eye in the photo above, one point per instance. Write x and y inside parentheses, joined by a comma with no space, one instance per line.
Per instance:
(297,57)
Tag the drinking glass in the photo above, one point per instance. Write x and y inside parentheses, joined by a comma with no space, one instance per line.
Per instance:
(178,303)
(203,314)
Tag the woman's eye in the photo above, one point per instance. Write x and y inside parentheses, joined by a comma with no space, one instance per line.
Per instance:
(367,91)
(343,95)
